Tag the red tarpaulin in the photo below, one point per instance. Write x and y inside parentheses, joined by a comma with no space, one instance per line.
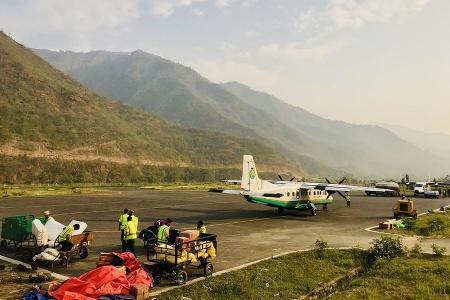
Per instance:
(103,281)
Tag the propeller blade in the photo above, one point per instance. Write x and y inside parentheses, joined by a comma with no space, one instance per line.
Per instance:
(342,180)
(281,178)
(342,195)
(327,180)
(329,194)
(292,178)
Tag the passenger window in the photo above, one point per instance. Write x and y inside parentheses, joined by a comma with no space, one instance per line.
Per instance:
(288,194)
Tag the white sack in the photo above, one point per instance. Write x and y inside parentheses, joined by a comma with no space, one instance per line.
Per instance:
(51,244)
(39,231)
(83,227)
(54,229)
(43,256)
(52,252)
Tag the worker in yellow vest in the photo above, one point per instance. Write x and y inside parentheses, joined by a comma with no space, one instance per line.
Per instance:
(135,219)
(122,224)
(130,235)
(66,235)
(164,232)
(201,227)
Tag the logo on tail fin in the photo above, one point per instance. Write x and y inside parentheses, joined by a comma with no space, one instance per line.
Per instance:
(252,173)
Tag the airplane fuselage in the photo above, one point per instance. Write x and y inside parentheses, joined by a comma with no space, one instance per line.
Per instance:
(289,196)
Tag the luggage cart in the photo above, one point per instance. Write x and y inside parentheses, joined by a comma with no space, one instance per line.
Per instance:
(79,249)
(17,232)
(167,261)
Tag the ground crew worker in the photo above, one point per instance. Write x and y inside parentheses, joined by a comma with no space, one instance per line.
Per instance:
(47,217)
(66,235)
(122,224)
(201,227)
(130,234)
(135,219)
(164,231)
(347,198)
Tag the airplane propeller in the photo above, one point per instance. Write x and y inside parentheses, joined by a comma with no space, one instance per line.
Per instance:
(340,193)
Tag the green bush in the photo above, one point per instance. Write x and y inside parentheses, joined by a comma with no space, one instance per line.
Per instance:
(319,247)
(387,248)
(416,249)
(437,250)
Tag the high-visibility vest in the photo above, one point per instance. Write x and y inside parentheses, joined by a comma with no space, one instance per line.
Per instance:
(162,233)
(123,221)
(202,229)
(135,221)
(67,231)
(130,231)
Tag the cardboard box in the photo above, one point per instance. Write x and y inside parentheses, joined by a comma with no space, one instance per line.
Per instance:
(140,291)
(104,259)
(190,234)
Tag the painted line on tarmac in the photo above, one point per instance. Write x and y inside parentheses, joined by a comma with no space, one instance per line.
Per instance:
(167,289)
(28,266)
(142,208)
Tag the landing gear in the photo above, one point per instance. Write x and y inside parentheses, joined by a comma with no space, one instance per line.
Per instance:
(313,212)
(325,207)
(282,211)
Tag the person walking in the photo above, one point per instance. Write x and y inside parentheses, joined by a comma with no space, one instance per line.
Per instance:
(122,224)
(130,235)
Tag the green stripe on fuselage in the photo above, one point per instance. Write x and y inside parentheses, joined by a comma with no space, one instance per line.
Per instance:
(299,205)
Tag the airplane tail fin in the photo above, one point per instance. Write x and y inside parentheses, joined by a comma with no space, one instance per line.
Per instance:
(250,180)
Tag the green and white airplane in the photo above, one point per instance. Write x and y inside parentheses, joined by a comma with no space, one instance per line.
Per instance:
(288,195)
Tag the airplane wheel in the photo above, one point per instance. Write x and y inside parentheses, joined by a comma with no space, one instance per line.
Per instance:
(313,212)
(282,211)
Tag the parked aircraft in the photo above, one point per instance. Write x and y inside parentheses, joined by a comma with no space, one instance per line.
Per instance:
(288,195)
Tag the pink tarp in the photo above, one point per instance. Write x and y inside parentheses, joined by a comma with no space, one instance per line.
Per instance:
(103,281)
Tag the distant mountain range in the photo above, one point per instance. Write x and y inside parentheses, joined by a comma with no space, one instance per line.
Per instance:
(182,96)
(46,114)
(436,143)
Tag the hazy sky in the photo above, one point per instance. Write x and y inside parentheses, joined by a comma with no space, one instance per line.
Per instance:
(360,61)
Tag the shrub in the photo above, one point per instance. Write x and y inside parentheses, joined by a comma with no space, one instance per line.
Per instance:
(437,250)
(386,247)
(416,249)
(436,224)
(319,247)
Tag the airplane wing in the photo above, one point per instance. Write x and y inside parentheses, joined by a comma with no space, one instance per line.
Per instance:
(222,191)
(332,187)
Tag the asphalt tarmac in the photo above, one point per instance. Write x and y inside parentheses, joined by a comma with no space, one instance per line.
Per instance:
(246,231)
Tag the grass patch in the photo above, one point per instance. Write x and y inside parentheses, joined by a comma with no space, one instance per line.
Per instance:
(42,191)
(285,277)
(419,277)
(434,225)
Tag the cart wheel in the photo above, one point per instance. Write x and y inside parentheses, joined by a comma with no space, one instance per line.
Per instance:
(208,269)
(84,252)
(3,244)
(181,277)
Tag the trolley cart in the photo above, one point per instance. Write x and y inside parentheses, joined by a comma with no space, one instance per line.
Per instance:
(80,242)
(174,261)
(17,232)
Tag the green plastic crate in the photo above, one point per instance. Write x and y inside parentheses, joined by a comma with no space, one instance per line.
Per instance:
(17,228)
